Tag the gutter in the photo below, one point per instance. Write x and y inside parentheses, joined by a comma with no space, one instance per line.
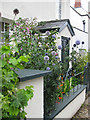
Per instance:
(80,14)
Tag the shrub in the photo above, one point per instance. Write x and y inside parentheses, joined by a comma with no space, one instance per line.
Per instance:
(42,52)
(13,99)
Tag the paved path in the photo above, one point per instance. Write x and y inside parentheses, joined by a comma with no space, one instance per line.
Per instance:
(84,111)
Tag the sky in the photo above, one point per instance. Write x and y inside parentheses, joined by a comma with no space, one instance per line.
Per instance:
(84,2)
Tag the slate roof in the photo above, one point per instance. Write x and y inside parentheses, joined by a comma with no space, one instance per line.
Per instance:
(55,24)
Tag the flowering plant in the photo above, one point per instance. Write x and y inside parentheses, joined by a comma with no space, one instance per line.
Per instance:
(78,59)
(42,54)
(13,99)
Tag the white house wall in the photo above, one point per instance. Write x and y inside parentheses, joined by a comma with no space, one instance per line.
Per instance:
(42,10)
(82,37)
(35,108)
(75,19)
(65,9)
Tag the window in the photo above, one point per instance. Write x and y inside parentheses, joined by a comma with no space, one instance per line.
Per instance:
(4,28)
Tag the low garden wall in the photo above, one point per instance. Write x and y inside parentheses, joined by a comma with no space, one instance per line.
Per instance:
(35,109)
(29,77)
(70,104)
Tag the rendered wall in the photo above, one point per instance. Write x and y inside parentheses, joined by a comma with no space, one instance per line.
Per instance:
(42,10)
(35,105)
(72,107)
(65,9)
(79,35)
(76,20)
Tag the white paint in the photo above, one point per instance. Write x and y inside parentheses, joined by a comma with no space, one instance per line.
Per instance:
(41,10)
(65,9)
(73,106)
(35,105)
(76,21)
(57,9)
(28,1)
(82,37)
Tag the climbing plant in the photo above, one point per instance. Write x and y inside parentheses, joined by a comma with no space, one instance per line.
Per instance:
(43,54)
(13,99)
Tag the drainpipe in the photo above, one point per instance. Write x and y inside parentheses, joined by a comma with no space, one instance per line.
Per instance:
(84,25)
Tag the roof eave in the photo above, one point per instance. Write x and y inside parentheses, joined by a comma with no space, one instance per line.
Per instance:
(69,27)
(67,23)
(3,19)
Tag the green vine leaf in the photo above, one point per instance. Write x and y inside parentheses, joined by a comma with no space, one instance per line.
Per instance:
(5,49)
(2,63)
(13,61)
(23,58)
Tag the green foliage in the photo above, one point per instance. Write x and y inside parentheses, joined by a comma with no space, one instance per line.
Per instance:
(35,45)
(66,59)
(75,81)
(12,99)
(67,86)
(78,61)
(88,56)
(28,48)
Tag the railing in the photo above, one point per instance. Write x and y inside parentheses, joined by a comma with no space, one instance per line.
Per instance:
(76,81)
(76,86)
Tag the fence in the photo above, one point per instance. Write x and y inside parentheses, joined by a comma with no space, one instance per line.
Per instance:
(75,95)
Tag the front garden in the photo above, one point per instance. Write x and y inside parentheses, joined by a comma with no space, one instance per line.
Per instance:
(27,48)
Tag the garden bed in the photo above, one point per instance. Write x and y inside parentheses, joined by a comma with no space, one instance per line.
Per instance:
(70,103)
